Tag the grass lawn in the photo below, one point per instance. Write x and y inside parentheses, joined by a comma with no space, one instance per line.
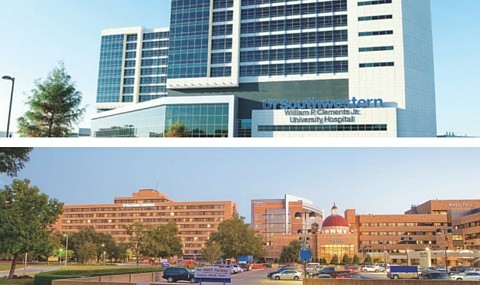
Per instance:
(4,266)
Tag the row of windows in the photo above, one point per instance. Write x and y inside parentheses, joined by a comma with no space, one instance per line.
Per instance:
(154,71)
(197,28)
(128,81)
(321,128)
(374,18)
(130,63)
(377,64)
(153,80)
(130,54)
(296,53)
(223,30)
(155,36)
(161,208)
(292,10)
(128,90)
(188,57)
(221,44)
(375,33)
(127,99)
(382,48)
(260,2)
(294,68)
(222,57)
(223,16)
(155,53)
(374,2)
(155,44)
(145,98)
(154,61)
(153,89)
(292,39)
(132,38)
(221,4)
(131,46)
(222,71)
(129,72)
(294,24)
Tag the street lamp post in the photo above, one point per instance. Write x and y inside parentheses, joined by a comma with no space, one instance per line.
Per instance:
(445,239)
(6,77)
(103,253)
(384,243)
(305,230)
(407,241)
(66,249)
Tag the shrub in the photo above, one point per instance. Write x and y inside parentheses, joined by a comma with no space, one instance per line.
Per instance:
(45,278)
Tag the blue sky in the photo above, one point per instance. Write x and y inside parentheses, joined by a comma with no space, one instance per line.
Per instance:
(371,180)
(36,35)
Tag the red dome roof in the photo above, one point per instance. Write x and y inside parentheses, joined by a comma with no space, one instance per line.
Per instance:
(335,221)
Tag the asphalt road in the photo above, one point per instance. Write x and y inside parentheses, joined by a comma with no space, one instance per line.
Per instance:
(30,270)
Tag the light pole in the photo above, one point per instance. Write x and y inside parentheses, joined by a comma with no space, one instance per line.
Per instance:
(103,252)
(445,239)
(305,230)
(407,241)
(384,243)
(66,249)
(6,77)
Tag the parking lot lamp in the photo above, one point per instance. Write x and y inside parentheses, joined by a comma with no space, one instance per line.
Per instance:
(6,77)
(445,239)
(407,241)
(305,230)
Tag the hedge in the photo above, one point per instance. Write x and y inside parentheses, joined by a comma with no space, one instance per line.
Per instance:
(45,278)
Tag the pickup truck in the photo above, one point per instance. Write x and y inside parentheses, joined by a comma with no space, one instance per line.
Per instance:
(403,272)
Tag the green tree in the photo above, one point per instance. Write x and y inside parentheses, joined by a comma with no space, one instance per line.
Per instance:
(162,241)
(54,107)
(137,232)
(26,219)
(356,259)
(211,251)
(236,239)
(13,159)
(367,260)
(334,259)
(291,252)
(177,130)
(346,259)
(86,252)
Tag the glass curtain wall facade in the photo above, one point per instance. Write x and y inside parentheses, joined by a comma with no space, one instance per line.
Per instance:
(293,38)
(133,67)
(190,33)
(200,120)
(110,69)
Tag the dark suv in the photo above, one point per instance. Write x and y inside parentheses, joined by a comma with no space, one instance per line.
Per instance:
(174,274)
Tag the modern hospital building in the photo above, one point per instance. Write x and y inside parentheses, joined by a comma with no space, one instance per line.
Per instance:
(272,68)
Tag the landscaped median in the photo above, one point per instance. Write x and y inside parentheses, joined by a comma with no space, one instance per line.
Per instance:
(46,278)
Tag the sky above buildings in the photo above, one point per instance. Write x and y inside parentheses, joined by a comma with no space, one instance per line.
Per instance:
(36,35)
(370,180)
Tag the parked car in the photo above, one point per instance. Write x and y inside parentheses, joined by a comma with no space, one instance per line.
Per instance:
(324,276)
(236,268)
(372,268)
(287,275)
(436,275)
(269,274)
(245,266)
(467,276)
(174,274)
